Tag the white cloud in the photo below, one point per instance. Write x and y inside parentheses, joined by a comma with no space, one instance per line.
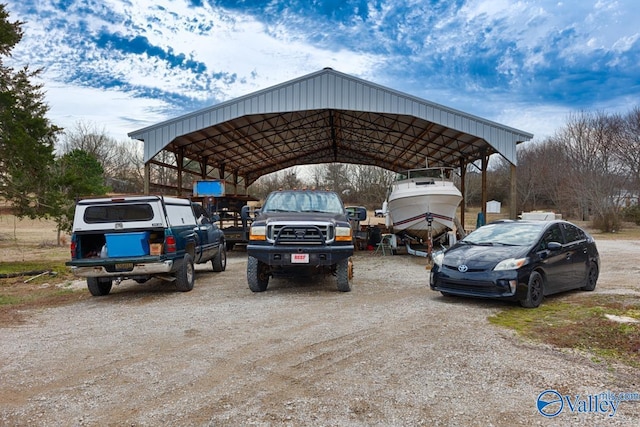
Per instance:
(118,112)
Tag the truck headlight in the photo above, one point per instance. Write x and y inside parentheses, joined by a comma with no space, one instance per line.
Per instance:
(259,232)
(343,234)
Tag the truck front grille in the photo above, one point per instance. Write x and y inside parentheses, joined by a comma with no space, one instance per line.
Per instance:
(300,234)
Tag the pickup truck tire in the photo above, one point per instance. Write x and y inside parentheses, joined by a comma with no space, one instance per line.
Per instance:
(219,262)
(99,286)
(185,276)
(257,277)
(342,275)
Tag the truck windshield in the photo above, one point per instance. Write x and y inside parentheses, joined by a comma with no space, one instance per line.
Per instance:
(303,201)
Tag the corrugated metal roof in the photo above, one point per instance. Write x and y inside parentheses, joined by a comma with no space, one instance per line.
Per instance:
(328,116)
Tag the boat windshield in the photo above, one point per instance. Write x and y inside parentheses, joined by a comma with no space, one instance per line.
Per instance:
(440,173)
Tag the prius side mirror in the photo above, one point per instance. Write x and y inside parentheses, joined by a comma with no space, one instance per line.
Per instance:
(554,246)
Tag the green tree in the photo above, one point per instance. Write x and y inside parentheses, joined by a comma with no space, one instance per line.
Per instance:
(26,136)
(78,173)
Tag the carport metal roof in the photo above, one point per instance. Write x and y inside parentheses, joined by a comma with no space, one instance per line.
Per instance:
(327,116)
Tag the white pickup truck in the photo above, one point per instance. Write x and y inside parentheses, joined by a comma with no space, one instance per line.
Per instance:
(139,237)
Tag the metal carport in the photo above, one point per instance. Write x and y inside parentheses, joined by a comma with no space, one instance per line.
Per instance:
(326,116)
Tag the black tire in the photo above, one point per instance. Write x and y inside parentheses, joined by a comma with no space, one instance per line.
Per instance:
(342,275)
(592,278)
(230,246)
(99,286)
(219,262)
(257,275)
(535,291)
(186,275)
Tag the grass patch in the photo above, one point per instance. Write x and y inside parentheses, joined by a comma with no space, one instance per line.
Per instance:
(12,268)
(580,323)
(20,292)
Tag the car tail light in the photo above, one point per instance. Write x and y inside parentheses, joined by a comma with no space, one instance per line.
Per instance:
(170,244)
(73,249)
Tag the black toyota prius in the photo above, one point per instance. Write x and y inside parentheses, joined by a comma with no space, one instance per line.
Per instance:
(518,260)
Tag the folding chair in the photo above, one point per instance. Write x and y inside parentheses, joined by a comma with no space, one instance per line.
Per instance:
(384,245)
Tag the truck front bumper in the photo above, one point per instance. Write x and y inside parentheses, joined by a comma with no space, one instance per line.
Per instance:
(295,256)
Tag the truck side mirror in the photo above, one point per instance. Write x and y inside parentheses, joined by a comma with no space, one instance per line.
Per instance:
(245,212)
(357,213)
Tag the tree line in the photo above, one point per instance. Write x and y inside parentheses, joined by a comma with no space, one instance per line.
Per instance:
(589,170)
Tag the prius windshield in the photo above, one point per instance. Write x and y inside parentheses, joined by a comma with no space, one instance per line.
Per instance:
(303,201)
(506,233)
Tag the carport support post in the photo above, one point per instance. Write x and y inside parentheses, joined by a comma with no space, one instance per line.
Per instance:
(463,177)
(147,177)
(513,206)
(180,162)
(485,165)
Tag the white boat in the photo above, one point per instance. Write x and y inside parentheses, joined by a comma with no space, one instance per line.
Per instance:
(421,194)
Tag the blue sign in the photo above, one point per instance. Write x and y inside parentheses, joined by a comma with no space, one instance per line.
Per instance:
(210,188)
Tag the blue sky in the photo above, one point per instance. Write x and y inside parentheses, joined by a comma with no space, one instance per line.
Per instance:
(127,64)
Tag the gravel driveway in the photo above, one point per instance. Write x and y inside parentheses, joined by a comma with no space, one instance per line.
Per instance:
(391,352)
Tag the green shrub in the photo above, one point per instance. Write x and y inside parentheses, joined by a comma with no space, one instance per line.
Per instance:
(607,222)
(632,214)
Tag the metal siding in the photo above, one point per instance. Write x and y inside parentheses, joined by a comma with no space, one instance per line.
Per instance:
(329,89)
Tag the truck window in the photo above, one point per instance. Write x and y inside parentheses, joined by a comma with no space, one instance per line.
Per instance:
(180,215)
(303,201)
(118,213)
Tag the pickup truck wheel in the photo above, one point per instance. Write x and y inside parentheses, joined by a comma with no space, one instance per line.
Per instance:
(185,276)
(219,262)
(99,286)
(257,275)
(342,275)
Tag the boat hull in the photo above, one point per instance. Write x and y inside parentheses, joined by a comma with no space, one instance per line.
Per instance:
(408,205)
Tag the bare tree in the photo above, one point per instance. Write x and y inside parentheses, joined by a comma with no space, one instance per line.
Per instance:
(589,176)
(122,162)
(627,149)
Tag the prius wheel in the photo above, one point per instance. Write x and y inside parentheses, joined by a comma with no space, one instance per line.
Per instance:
(592,277)
(535,291)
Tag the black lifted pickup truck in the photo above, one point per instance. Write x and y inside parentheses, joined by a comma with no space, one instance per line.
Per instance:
(301,232)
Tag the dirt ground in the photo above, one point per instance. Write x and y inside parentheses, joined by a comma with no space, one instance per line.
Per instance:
(391,352)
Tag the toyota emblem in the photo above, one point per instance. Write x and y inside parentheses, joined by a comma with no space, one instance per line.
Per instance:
(462,268)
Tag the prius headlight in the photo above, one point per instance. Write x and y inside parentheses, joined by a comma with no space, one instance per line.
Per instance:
(437,258)
(510,264)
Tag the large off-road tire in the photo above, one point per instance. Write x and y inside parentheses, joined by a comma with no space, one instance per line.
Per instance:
(535,291)
(342,275)
(257,275)
(592,277)
(219,262)
(186,275)
(99,286)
